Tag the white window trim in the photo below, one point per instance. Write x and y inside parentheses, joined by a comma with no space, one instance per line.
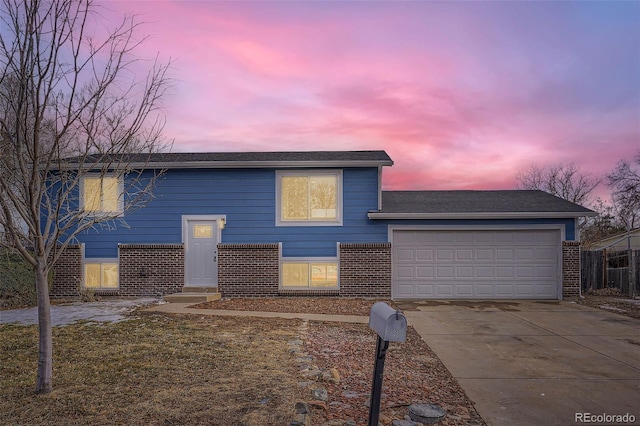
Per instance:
(333,172)
(309,260)
(120,211)
(100,260)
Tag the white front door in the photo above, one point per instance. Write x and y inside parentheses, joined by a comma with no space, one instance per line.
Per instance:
(201,255)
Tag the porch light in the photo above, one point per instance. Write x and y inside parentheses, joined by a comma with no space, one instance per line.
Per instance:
(222,223)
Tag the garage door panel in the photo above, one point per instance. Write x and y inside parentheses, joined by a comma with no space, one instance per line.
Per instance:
(465,272)
(525,255)
(464,255)
(485,255)
(424,272)
(505,272)
(484,290)
(546,253)
(504,290)
(405,272)
(484,272)
(424,254)
(444,272)
(545,272)
(424,291)
(404,255)
(482,238)
(444,254)
(525,272)
(504,254)
(476,264)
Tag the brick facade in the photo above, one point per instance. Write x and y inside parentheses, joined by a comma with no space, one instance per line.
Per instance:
(150,269)
(248,270)
(570,268)
(67,273)
(365,270)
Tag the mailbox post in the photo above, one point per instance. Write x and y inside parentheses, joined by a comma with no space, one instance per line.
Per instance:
(390,326)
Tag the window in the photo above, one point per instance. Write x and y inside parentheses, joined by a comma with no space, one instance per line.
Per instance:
(101,194)
(309,198)
(306,274)
(101,274)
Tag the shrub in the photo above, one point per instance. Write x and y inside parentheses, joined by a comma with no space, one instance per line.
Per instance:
(17,281)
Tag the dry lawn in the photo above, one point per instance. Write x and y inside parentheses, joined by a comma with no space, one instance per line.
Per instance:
(154,370)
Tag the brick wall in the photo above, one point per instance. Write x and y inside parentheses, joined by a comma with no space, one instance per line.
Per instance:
(67,273)
(570,268)
(248,270)
(365,269)
(150,269)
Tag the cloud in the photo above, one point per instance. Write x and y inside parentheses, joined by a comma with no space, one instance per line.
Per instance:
(461,95)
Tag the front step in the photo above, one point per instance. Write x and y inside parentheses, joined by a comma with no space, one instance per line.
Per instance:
(194,295)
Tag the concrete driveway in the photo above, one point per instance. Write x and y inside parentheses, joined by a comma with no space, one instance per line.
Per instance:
(536,363)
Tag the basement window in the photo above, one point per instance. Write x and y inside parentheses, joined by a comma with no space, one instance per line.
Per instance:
(101,274)
(304,274)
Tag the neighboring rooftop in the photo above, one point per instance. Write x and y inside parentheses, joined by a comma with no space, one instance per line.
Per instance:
(476,204)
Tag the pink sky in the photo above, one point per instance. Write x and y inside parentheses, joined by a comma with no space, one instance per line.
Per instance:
(461,95)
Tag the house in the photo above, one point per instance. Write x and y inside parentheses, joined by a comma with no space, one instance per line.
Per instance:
(618,242)
(318,223)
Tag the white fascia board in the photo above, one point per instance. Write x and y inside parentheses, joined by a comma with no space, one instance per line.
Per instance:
(480,215)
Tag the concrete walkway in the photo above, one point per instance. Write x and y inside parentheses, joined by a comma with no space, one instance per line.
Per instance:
(183,308)
(528,363)
(114,310)
(111,310)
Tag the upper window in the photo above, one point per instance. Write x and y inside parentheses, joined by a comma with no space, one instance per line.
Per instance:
(309,198)
(101,194)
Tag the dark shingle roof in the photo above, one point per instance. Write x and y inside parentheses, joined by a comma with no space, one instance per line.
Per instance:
(517,203)
(256,159)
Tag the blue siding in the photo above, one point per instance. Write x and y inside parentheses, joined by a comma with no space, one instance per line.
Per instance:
(247,198)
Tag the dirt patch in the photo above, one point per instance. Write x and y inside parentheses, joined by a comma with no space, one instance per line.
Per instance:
(614,304)
(511,306)
(311,305)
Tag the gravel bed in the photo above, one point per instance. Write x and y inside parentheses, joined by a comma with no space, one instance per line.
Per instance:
(344,353)
(412,374)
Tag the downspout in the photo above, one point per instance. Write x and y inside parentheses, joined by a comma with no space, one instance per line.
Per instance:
(379,188)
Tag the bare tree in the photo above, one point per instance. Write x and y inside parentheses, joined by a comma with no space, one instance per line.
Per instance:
(71,107)
(566,181)
(624,181)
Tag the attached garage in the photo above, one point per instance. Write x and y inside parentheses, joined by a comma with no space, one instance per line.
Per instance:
(476,264)
(482,244)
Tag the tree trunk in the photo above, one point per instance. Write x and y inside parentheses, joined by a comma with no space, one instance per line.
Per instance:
(45,345)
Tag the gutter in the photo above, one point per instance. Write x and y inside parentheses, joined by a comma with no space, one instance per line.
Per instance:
(479,215)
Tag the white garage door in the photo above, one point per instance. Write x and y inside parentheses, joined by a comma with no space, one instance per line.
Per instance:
(513,264)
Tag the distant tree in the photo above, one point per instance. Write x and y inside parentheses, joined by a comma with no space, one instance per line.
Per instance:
(566,181)
(605,224)
(624,182)
(70,106)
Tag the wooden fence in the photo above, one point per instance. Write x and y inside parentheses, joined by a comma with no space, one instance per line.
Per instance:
(610,269)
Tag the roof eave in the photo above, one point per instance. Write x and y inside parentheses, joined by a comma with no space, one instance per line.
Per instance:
(246,164)
(481,215)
